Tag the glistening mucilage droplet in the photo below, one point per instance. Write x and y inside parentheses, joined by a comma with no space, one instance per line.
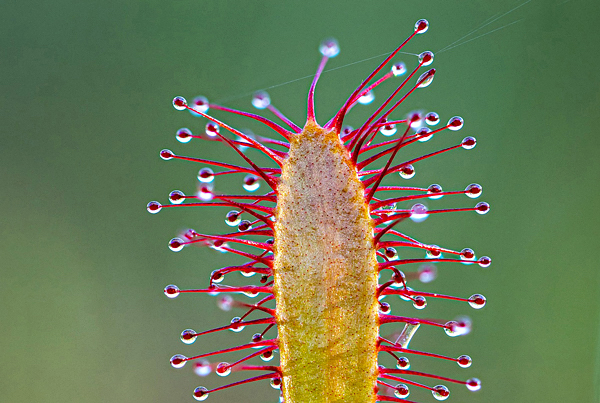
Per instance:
(322,235)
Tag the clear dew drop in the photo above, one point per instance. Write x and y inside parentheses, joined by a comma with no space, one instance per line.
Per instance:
(473,190)
(223,369)
(153,207)
(455,123)
(434,190)
(432,118)
(346,130)
(434,252)
(398,69)
(188,336)
(233,218)
(421,26)
(473,384)
(467,255)
(247,273)
(172,291)
(261,100)
(236,328)
(426,58)
(424,134)
(419,302)
(166,154)
(176,197)
(415,119)
(401,391)
(477,301)
(202,368)
(251,183)
(276,383)
(178,361)
(464,361)
(267,356)
(391,253)
(407,172)
(440,392)
(176,244)
(211,129)
(205,192)
(388,129)
(179,103)
(206,175)
(199,104)
(427,273)
(484,261)
(183,135)
(244,226)
(482,208)
(225,302)
(469,143)
(216,276)
(451,328)
(367,98)
(403,363)
(200,393)
(418,213)
(426,78)
(461,327)
(329,47)
(384,307)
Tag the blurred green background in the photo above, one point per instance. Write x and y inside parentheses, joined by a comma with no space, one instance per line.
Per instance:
(86,91)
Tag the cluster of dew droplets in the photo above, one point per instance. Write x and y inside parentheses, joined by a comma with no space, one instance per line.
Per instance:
(423,126)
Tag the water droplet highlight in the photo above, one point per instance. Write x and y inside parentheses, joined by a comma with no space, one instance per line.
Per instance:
(473,190)
(401,391)
(426,58)
(426,78)
(473,384)
(200,393)
(154,207)
(199,104)
(176,244)
(184,135)
(251,183)
(464,361)
(407,171)
(418,213)
(188,336)
(261,99)
(329,47)
(176,197)
(179,103)
(233,218)
(455,123)
(434,190)
(469,143)
(419,302)
(172,291)
(211,129)
(178,361)
(482,208)
(421,26)
(477,301)
(440,392)
(484,261)
(223,369)
(166,154)
(432,118)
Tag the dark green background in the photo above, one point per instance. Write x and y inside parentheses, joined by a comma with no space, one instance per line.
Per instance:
(86,91)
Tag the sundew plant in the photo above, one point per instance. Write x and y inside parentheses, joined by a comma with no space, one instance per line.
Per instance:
(325,242)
